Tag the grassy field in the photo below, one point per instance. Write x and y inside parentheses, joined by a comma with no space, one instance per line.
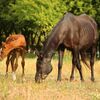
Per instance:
(50,89)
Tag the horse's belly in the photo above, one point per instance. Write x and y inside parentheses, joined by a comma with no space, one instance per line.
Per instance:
(71,42)
(86,41)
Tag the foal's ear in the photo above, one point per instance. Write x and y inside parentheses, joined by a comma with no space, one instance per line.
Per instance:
(3,43)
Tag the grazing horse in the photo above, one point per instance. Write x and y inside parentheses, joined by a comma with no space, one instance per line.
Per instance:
(82,53)
(13,58)
(13,47)
(76,33)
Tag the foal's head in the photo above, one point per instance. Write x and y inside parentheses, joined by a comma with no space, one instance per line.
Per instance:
(4,50)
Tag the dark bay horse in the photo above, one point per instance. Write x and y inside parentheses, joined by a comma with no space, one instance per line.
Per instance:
(76,33)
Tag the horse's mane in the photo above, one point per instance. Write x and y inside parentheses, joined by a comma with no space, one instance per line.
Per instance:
(67,17)
(11,38)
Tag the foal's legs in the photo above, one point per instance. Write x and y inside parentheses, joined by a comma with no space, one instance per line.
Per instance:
(23,62)
(60,62)
(93,52)
(16,63)
(13,68)
(7,63)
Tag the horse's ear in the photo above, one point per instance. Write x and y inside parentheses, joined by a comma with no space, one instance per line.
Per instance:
(37,52)
(41,55)
(3,43)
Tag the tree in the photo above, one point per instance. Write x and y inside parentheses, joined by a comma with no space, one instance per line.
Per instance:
(36,18)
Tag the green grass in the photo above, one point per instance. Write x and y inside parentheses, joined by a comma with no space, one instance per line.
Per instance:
(49,89)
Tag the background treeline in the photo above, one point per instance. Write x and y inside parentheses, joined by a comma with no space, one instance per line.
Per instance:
(35,18)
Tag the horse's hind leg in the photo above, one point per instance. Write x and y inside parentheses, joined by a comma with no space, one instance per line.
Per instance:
(13,68)
(7,64)
(16,63)
(60,62)
(76,61)
(23,63)
(93,52)
(73,67)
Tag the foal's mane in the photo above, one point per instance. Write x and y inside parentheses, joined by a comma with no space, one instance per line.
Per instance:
(11,38)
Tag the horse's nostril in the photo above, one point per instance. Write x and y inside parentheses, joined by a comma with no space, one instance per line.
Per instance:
(38,78)
(44,76)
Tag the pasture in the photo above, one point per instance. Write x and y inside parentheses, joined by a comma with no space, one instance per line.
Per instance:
(49,89)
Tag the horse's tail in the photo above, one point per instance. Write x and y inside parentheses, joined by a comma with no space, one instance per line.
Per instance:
(85,62)
(83,58)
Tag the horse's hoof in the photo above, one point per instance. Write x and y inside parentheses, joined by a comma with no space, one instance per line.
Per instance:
(58,80)
(71,79)
(23,80)
(92,79)
(82,80)
(14,78)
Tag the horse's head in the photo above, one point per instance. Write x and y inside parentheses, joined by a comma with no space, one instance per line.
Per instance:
(43,68)
(3,50)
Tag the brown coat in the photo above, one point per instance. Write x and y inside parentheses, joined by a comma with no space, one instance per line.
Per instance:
(12,42)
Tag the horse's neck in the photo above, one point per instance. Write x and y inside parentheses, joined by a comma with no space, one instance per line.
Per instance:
(54,39)
(49,51)
(50,46)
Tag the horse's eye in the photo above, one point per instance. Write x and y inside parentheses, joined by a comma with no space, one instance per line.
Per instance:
(4,47)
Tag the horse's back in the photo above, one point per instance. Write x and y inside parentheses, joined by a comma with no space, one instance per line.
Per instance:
(88,28)
(12,42)
(83,30)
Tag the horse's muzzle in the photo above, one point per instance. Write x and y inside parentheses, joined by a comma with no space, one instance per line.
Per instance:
(39,78)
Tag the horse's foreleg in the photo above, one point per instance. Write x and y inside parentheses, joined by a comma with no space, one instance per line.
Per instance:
(16,63)
(23,63)
(60,62)
(7,64)
(93,52)
(13,68)
(73,67)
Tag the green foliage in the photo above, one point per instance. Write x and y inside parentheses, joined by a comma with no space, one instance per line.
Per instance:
(37,17)
(81,6)
(49,12)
